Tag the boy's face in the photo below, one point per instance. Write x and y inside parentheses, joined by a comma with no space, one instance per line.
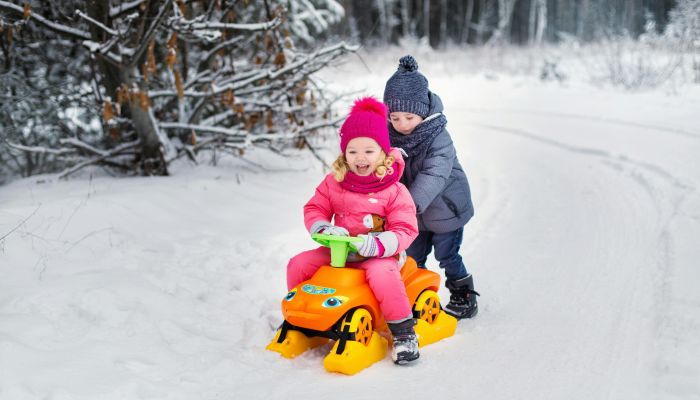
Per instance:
(404,122)
(363,155)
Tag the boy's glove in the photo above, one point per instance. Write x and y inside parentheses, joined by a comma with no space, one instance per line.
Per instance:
(370,246)
(328,229)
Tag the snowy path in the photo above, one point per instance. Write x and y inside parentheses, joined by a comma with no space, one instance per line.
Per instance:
(584,248)
(590,212)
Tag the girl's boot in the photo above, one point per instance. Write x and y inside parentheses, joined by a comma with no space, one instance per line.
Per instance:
(405,347)
(463,302)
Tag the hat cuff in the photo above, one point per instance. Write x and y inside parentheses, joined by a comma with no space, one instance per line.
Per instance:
(413,107)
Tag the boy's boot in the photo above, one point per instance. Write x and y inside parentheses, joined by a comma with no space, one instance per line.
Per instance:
(463,302)
(405,347)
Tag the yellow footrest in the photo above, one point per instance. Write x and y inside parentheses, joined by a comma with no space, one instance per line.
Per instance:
(356,356)
(443,326)
(294,343)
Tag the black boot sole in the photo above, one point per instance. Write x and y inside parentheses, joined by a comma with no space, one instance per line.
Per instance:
(406,361)
(462,316)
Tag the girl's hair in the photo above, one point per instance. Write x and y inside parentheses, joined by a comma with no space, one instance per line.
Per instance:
(340,167)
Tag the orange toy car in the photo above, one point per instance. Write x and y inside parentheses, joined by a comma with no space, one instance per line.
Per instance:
(338,304)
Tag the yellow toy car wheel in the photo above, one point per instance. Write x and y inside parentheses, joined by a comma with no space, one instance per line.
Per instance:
(427,307)
(358,346)
(359,324)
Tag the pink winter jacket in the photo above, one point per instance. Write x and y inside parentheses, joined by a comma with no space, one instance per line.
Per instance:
(353,210)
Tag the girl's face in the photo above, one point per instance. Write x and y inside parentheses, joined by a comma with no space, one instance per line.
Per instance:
(404,122)
(363,155)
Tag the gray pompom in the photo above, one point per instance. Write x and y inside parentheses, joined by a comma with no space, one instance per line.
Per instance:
(408,64)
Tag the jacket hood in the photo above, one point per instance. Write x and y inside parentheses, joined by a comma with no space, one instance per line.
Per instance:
(435,104)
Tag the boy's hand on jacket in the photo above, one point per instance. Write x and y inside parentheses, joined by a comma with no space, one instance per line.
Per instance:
(370,246)
(328,229)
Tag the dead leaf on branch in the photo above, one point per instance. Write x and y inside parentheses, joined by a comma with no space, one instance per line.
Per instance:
(182,6)
(122,94)
(280,60)
(270,122)
(107,111)
(151,58)
(269,42)
(144,72)
(301,96)
(227,98)
(179,86)
(171,58)
(140,98)
(231,16)
(172,41)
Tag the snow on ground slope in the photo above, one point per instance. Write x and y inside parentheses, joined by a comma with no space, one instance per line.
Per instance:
(584,248)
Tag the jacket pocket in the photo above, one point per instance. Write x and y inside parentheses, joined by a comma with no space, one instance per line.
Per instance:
(451,205)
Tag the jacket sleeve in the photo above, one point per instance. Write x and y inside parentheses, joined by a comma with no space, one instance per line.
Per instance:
(318,209)
(432,178)
(401,225)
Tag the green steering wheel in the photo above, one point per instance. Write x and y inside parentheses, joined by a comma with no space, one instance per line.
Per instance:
(340,246)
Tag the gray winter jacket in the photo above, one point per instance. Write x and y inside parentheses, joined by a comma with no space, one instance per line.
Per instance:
(438,184)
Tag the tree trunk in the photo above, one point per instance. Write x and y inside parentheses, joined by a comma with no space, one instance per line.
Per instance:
(405,19)
(466,24)
(505,13)
(480,22)
(541,21)
(426,20)
(383,21)
(443,23)
(137,109)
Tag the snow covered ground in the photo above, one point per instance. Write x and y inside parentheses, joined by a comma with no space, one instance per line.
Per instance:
(584,247)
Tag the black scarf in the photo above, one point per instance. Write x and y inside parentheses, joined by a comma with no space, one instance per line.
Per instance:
(421,137)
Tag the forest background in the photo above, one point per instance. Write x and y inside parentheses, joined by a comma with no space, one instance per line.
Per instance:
(132,86)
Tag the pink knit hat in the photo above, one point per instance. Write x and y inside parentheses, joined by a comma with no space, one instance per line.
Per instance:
(368,118)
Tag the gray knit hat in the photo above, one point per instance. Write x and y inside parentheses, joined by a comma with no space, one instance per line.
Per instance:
(407,89)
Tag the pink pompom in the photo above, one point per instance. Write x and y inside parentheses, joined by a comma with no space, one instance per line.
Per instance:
(369,104)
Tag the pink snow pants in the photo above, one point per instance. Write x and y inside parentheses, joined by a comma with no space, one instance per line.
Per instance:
(382,275)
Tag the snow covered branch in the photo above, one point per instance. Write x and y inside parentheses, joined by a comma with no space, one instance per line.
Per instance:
(119,150)
(54,26)
(181,25)
(96,23)
(124,7)
(41,149)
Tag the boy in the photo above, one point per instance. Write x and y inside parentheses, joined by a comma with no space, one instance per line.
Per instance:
(435,179)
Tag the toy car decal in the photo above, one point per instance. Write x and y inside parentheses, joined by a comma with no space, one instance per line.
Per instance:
(313,289)
(334,301)
(291,294)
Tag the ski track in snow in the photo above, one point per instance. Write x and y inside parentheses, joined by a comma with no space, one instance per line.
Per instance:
(665,194)
(170,288)
(571,116)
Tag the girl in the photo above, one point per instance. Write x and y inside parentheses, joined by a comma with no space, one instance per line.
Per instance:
(363,188)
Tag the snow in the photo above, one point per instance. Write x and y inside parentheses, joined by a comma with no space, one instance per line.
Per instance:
(584,248)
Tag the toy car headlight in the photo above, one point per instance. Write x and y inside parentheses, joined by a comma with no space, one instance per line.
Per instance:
(291,294)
